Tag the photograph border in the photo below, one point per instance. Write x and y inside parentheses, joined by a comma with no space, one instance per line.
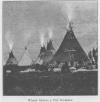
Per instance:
(92,98)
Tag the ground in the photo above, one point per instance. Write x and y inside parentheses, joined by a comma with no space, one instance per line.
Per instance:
(48,83)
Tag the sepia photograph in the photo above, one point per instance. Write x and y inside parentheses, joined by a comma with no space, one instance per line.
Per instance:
(50,48)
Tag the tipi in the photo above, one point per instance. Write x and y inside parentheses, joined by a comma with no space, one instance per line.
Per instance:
(11,60)
(50,45)
(43,49)
(70,49)
(25,60)
(47,54)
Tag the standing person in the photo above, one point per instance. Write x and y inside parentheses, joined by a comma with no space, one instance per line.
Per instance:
(65,67)
(72,63)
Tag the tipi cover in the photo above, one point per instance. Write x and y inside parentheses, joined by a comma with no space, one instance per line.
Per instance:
(11,60)
(70,49)
(25,60)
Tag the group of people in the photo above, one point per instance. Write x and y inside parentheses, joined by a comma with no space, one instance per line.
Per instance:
(66,67)
(76,65)
(41,67)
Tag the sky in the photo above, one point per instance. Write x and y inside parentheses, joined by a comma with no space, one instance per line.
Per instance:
(26,21)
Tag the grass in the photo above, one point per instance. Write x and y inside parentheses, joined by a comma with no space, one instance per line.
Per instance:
(46,83)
